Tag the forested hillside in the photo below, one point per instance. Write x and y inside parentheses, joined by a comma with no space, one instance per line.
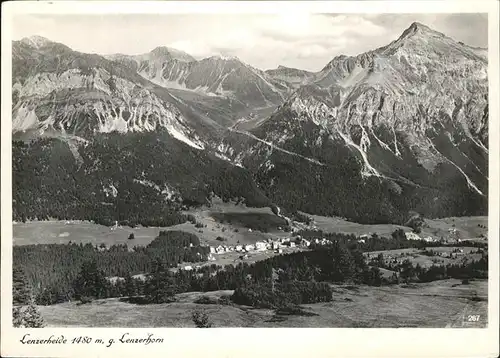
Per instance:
(138,179)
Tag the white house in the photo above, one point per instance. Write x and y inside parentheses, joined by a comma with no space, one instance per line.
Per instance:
(292,244)
(187,268)
(412,236)
(212,250)
(219,249)
(260,245)
(249,230)
(239,248)
(249,247)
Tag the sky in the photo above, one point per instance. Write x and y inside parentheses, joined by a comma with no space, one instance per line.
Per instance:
(301,40)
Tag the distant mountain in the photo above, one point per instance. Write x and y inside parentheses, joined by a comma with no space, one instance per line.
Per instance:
(403,127)
(151,62)
(58,90)
(106,144)
(217,75)
(293,76)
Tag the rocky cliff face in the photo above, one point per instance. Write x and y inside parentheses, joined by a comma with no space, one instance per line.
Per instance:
(213,76)
(293,76)
(79,95)
(409,120)
(423,92)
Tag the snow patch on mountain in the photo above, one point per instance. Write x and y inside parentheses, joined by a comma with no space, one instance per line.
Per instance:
(176,133)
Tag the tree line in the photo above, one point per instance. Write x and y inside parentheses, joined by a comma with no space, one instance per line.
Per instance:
(51,269)
(375,242)
(409,272)
(55,271)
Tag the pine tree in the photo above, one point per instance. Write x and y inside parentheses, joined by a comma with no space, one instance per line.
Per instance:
(33,319)
(21,291)
(343,264)
(17,317)
(90,282)
(130,286)
(160,286)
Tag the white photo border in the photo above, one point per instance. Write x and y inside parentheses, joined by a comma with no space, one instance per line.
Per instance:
(250,342)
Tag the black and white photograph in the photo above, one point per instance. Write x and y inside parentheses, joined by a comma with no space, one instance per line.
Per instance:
(251,170)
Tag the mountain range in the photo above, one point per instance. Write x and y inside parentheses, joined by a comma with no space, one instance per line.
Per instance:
(371,138)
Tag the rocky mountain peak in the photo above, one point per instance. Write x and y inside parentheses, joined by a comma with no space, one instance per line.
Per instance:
(36,41)
(171,53)
(418,30)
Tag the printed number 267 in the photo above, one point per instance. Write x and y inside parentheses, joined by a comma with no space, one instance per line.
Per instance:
(473,318)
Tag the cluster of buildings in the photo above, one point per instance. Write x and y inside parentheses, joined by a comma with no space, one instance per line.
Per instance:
(276,245)
(451,255)
(413,236)
(322,241)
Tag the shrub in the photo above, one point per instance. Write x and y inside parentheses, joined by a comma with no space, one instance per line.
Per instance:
(85,299)
(201,319)
(220,238)
(205,300)
(282,295)
(293,310)
(27,317)
(131,236)
(225,300)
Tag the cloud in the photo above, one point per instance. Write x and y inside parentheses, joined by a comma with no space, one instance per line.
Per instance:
(296,27)
(301,40)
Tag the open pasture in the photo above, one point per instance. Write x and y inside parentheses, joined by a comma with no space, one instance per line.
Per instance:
(437,304)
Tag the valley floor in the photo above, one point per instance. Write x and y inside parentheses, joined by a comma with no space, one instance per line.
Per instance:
(440,304)
(60,232)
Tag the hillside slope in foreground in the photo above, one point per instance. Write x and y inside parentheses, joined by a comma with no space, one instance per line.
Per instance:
(438,304)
